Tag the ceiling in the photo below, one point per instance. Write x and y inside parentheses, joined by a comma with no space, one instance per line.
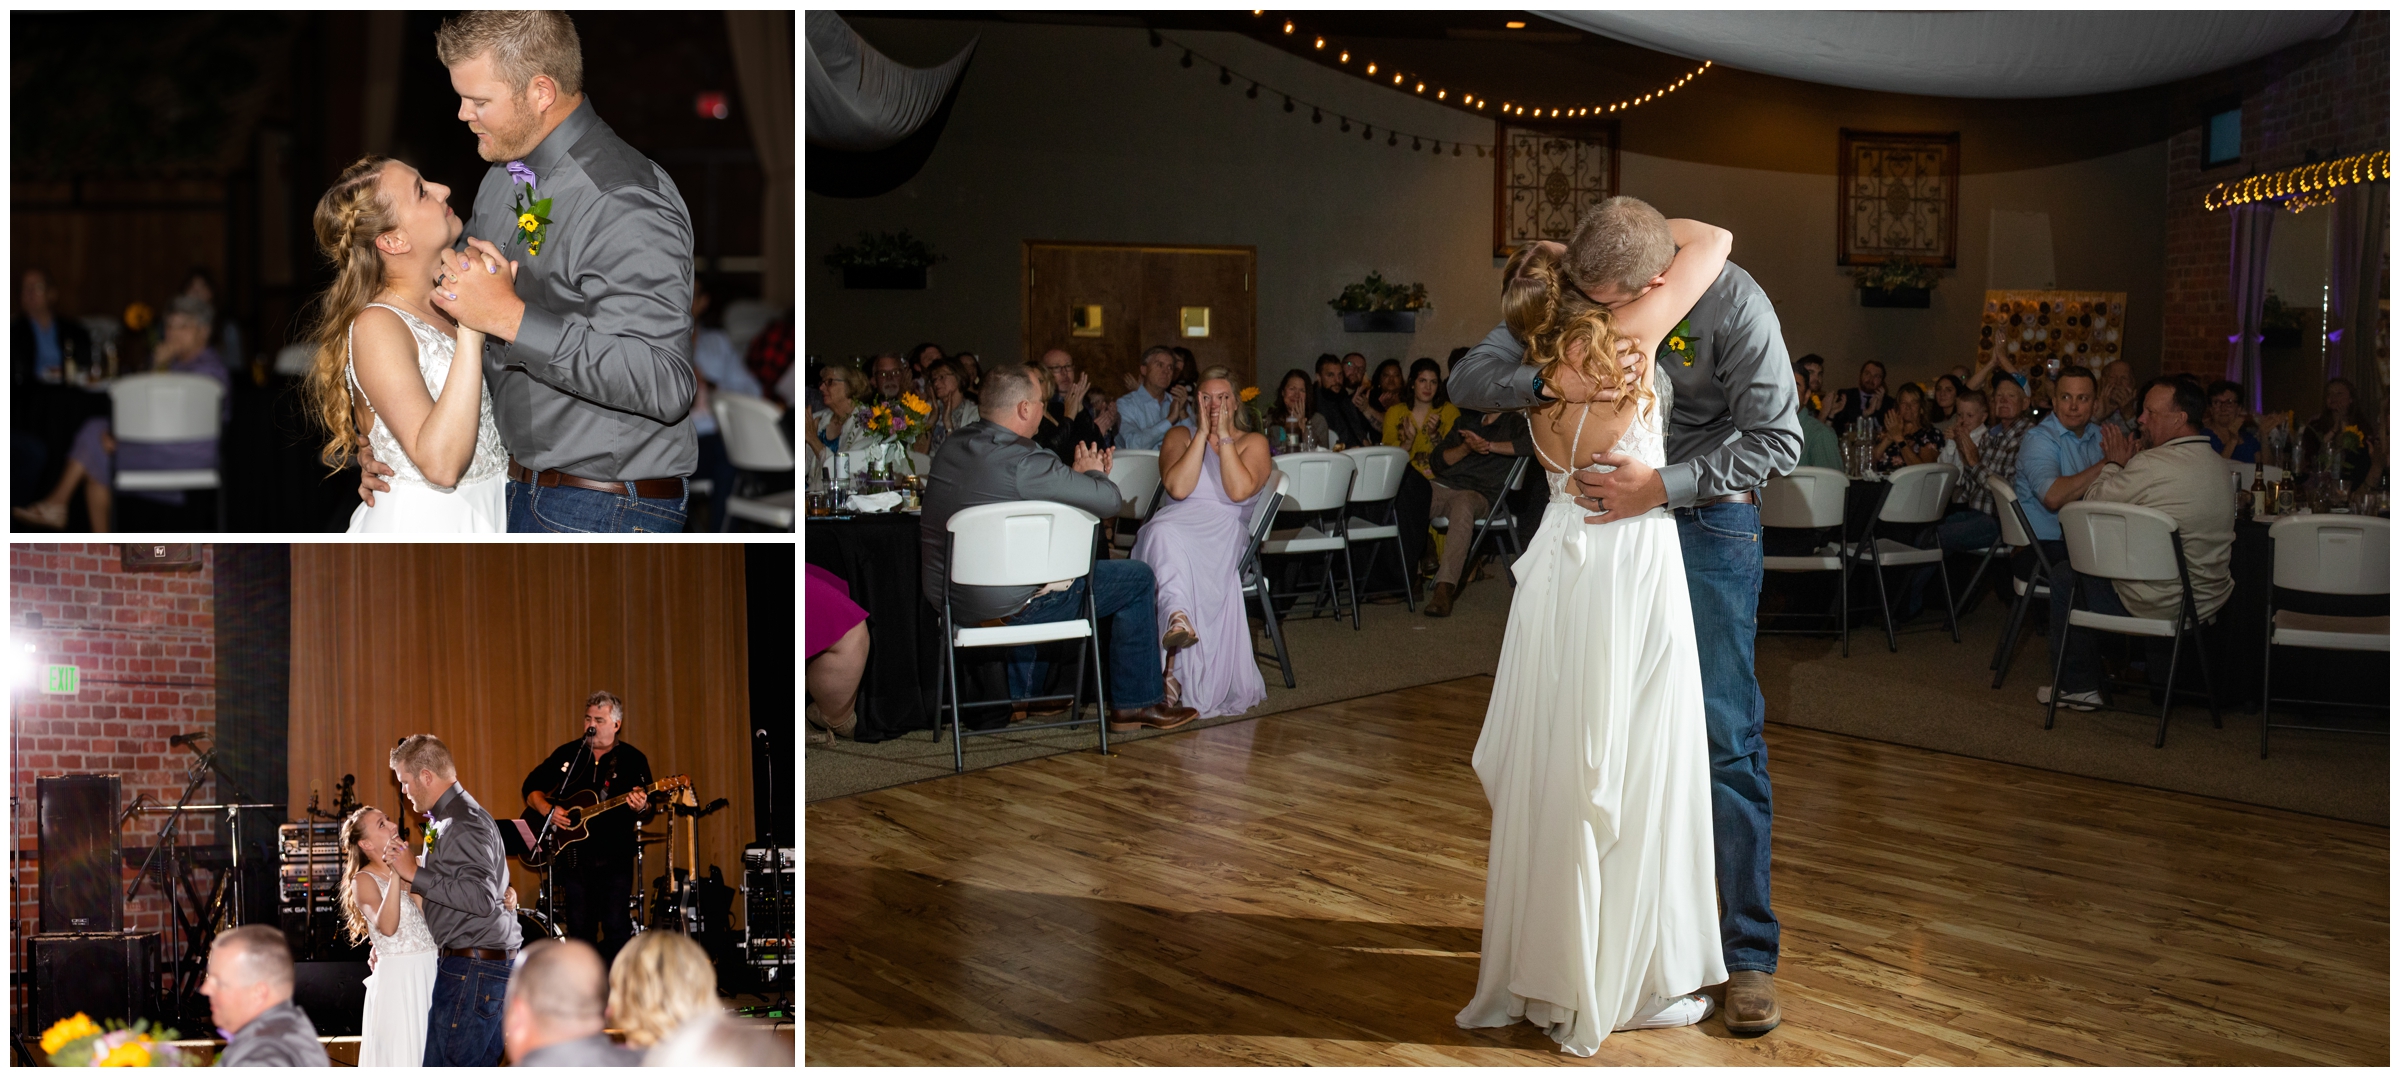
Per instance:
(1987,54)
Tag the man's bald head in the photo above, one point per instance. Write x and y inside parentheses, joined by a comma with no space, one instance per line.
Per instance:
(557,992)
(253,954)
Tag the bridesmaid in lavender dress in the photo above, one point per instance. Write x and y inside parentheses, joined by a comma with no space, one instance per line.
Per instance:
(1194,543)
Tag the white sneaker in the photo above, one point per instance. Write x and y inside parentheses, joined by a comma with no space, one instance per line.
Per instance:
(2074,701)
(1673,1012)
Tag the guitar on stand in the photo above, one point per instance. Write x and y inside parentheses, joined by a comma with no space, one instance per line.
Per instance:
(582,806)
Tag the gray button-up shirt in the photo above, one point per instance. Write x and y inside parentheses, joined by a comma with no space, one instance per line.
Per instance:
(986,464)
(464,881)
(599,381)
(593,1050)
(1733,414)
(281,1035)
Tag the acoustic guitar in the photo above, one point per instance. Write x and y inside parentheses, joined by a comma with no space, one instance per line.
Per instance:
(582,806)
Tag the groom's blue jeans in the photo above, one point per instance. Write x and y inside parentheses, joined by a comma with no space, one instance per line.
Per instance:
(1724,566)
(464,1028)
(575,509)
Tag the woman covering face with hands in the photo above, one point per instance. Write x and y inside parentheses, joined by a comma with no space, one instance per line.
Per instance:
(1193,543)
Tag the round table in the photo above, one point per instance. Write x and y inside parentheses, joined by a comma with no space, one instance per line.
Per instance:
(877,554)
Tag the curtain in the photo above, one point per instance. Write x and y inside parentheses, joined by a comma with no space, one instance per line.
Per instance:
(762,60)
(858,99)
(494,648)
(2357,262)
(2253,225)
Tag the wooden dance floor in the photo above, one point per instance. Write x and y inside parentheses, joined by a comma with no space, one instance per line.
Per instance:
(1307,888)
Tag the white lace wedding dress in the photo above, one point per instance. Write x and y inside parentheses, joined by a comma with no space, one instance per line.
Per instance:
(479,503)
(1600,905)
(400,991)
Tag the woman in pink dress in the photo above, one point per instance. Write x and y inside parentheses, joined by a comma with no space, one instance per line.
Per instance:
(1194,544)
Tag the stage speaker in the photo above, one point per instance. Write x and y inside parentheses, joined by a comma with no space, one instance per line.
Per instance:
(332,993)
(102,976)
(78,851)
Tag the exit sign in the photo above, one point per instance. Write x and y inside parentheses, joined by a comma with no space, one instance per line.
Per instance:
(60,680)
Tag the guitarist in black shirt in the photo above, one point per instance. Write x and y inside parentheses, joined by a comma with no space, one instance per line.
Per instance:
(595,875)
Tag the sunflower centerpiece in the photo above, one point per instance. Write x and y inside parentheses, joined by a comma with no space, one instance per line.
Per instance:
(80,1041)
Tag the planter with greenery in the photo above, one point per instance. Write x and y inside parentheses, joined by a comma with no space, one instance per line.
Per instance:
(1376,305)
(883,260)
(1896,282)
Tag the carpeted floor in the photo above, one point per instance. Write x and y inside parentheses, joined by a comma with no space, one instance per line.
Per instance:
(1932,694)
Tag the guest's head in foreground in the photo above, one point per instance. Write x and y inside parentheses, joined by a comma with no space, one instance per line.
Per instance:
(383,225)
(661,980)
(2075,393)
(557,994)
(249,973)
(1567,332)
(1013,397)
(422,764)
(368,838)
(1620,250)
(518,75)
(2173,406)
(1219,394)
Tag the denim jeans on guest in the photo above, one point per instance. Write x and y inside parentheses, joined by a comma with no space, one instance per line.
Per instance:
(464,1027)
(1125,594)
(575,509)
(2082,670)
(1724,565)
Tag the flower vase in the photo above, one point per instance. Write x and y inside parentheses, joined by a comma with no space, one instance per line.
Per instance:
(879,465)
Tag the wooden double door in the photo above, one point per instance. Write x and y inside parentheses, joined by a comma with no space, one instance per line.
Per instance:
(1107,303)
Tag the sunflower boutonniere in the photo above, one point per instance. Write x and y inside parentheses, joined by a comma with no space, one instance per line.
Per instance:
(1679,341)
(532,211)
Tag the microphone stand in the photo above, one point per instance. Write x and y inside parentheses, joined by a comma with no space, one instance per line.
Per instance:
(549,900)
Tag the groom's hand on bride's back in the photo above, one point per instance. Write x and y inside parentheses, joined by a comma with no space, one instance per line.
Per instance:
(370,473)
(1629,491)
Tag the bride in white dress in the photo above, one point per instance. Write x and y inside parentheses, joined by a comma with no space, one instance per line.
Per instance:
(384,367)
(1600,903)
(400,992)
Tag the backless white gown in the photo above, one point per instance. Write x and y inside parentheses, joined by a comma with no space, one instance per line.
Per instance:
(400,990)
(479,503)
(1600,902)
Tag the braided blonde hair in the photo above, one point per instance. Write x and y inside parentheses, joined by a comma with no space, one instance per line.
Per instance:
(350,215)
(1545,309)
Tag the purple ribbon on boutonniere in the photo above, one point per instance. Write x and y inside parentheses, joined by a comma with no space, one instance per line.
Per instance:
(521,173)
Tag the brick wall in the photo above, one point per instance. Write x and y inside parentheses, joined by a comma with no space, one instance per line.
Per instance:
(146,646)
(2332,106)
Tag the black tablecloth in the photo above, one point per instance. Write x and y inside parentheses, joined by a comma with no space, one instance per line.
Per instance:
(878,556)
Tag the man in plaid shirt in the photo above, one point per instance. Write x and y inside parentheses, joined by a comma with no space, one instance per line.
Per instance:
(1997,454)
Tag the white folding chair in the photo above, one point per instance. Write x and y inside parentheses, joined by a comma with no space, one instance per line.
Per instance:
(1135,471)
(2116,541)
(1020,544)
(1378,479)
(1497,517)
(161,408)
(1919,494)
(1254,578)
(2016,531)
(2325,555)
(754,444)
(1320,488)
(1810,498)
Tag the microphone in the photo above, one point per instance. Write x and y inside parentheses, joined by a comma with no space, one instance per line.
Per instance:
(181,739)
(590,731)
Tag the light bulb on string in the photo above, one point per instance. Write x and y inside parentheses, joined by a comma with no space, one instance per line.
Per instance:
(1224,77)
(1155,40)
(1315,114)
(1345,125)
(1253,94)
(1415,143)
(1187,57)
(1287,103)
(1394,140)
(1370,133)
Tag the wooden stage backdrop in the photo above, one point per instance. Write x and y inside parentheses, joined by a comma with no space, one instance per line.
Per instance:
(494,647)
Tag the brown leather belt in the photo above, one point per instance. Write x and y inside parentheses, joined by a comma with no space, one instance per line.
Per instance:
(1738,497)
(478,953)
(659,488)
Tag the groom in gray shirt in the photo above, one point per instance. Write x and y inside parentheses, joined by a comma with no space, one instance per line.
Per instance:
(589,356)
(1733,423)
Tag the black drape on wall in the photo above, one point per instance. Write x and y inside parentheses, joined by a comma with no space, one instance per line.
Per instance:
(768,570)
(254,683)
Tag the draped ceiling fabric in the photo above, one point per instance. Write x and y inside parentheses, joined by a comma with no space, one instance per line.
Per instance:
(2000,54)
(860,100)
(494,648)
(762,60)
(2253,228)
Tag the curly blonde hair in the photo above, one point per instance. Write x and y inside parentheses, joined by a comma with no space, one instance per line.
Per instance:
(660,980)
(1543,306)
(349,216)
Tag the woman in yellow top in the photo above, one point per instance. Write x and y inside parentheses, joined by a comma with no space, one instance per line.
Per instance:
(1425,419)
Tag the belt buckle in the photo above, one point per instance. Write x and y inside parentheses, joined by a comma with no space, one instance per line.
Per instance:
(548,478)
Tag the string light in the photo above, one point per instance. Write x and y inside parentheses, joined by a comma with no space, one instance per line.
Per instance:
(2305,186)
(1563,110)
(1316,112)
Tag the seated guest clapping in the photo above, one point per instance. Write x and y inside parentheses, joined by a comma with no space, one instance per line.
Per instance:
(249,989)
(1470,469)
(2177,474)
(2230,429)
(1155,404)
(997,460)
(96,455)
(1193,544)
(556,1009)
(1908,438)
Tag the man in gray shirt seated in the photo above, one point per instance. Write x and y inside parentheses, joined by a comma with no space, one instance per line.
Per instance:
(249,989)
(557,999)
(996,460)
